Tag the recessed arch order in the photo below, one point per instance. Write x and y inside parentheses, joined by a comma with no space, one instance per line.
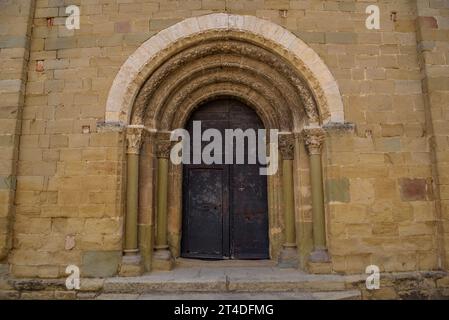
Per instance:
(282,77)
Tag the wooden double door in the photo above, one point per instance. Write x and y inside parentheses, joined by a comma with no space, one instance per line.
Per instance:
(225,211)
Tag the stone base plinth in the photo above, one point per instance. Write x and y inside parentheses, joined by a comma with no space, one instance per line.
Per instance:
(319,267)
(319,255)
(319,262)
(288,258)
(131,266)
(162,260)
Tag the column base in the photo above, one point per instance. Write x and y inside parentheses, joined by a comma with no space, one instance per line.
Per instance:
(319,262)
(319,255)
(131,266)
(162,260)
(288,257)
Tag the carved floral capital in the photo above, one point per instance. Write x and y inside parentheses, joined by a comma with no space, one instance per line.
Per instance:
(163,148)
(313,139)
(134,138)
(287,146)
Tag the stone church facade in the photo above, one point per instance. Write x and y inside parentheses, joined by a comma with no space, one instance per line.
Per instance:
(86,116)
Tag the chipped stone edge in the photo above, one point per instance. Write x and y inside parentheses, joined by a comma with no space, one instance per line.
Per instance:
(339,128)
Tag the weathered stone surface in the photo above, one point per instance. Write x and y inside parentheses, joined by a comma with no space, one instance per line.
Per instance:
(87,284)
(381,294)
(443,282)
(86,295)
(319,267)
(245,283)
(338,190)
(65,295)
(9,295)
(100,263)
(37,284)
(37,295)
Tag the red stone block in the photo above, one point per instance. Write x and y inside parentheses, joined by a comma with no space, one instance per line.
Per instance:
(428,22)
(122,27)
(415,189)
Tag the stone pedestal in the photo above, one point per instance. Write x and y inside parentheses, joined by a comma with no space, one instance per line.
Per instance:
(319,267)
(162,260)
(131,266)
(319,261)
(288,257)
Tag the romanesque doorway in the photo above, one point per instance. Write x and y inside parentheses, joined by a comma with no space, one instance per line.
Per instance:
(209,57)
(225,210)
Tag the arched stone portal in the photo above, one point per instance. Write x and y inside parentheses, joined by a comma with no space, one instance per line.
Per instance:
(199,59)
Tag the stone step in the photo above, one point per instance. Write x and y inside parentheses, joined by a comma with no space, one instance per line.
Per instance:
(330,295)
(112,286)
(243,280)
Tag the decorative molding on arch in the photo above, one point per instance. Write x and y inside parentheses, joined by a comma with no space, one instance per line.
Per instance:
(134,72)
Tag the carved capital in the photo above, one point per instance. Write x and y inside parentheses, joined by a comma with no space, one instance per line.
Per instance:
(134,138)
(287,146)
(313,139)
(163,148)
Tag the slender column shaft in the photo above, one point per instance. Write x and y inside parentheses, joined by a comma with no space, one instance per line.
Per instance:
(287,189)
(319,232)
(134,138)
(286,148)
(162,190)
(288,257)
(131,203)
(314,138)
(162,258)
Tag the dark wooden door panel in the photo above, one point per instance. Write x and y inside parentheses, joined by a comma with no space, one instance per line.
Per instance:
(225,212)
(249,232)
(249,218)
(204,225)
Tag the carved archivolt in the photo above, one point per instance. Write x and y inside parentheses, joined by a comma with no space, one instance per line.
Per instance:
(218,90)
(278,106)
(229,61)
(309,74)
(233,69)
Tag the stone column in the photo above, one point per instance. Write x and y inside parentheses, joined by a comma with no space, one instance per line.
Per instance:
(162,256)
(131,263)
(313,139)
(289,254)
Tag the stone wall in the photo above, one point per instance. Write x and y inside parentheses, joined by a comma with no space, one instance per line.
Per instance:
(382,208)
(15,31)
(380,201)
